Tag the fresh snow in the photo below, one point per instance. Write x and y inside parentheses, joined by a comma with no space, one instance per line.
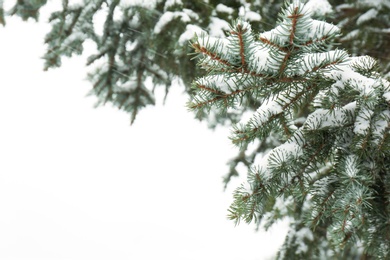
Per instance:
(246,14)
(260,61)
(303,233)
(311,60)
(144,3)
(170,3)
(76,36)
(72,3)
(128,86)
(221,8)
(351,168)
(190,32)
(262,165)
(219,45)
(290,149)
(252,16)
(318,29)
(387,96)
(279,33)
(381,125)
(344,73)
(350,106)
(130,46)
(319,7)
(362,122)
(374,3)
(285,153)
(218,82)
(167,17)
(282,204)
(367,16)
(341,7)
(323,118)
(266,110)
(351,35)
(246,186)
(217,27)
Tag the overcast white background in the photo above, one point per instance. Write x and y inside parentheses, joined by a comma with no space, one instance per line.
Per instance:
(81,183)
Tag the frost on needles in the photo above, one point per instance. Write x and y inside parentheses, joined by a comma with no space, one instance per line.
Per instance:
(329,171)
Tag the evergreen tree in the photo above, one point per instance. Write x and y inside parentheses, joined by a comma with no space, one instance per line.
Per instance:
(326,115)
(142,40)
(148,39)
(139,40)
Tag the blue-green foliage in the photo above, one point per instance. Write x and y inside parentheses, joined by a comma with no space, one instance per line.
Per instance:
(331,169)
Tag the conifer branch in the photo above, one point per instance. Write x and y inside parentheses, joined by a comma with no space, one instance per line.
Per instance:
(315,41)
(294,17)
(284,63)
(273,44)
(311,159)
(219,95)
(322,206)
(249,134)
(214,91)
(239,33)
(340,141)
(210,54)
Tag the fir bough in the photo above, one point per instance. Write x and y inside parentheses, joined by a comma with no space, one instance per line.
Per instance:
(329,169)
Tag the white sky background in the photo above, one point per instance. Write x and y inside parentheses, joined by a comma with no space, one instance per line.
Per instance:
(81,183)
